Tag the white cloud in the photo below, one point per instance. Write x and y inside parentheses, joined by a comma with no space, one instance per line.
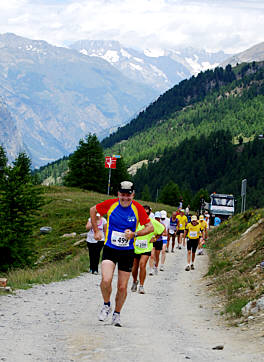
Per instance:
(231,25)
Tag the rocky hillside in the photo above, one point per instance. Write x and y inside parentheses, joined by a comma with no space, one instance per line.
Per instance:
(255,53)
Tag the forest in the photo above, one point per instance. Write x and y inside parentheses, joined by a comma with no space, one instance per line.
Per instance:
(209,162)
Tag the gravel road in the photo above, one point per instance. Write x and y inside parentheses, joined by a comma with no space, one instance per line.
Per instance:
(174,321)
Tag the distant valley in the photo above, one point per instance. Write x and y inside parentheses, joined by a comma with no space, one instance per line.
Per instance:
(53,96)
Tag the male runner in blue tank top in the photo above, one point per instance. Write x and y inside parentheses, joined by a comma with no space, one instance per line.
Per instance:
(123,216)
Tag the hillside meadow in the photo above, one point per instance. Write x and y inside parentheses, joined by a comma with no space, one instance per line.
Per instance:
(66,211)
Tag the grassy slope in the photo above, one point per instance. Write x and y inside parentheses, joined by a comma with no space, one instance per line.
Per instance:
(66,211)
(233,261)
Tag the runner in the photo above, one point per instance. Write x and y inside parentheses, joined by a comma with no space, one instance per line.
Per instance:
(123,216)
(207,219)
(143,247)
(155,252)
(172,232)
(203,236)
(166,222)
(193,229)
(182,222)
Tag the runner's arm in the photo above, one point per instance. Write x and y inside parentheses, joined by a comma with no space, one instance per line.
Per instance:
(148,228)
(97,233)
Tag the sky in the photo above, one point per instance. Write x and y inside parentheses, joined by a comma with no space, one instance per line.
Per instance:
(213,25)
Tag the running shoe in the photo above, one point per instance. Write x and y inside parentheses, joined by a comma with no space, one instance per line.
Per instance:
(167,250)
(104,312)
(134,286)
(172,250)
(179,247)
(95,273)
(155,270)
(187,268)
(162,267)
(141,289)
(151,272)
(192,266)
(116,320)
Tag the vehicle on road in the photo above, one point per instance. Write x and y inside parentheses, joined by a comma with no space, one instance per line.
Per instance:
(221,205)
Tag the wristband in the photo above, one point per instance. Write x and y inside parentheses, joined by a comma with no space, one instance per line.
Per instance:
(135,235)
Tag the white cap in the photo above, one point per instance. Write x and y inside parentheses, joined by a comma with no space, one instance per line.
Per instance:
(97,214)
(163,214)
(157,214)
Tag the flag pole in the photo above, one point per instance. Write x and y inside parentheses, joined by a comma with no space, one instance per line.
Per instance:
(109,180)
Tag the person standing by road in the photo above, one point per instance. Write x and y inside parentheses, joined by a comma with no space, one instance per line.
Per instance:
(193,229)
(95,246)
(143,247)
(123,216)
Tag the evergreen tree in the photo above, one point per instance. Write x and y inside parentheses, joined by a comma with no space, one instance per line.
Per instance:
(145,195)
(170,194)
(86,166)
(19,201)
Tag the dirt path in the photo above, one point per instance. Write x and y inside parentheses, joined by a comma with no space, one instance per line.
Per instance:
(174,321)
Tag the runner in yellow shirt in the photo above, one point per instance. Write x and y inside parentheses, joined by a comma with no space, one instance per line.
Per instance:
(202,236)
(182,222)
(193,229)
(143,247)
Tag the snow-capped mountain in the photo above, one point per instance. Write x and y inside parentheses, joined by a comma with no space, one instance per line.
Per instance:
(161,69)
(54,96)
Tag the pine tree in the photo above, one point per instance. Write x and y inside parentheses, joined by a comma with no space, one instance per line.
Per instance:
(86,166)
(145,195)
(19,201)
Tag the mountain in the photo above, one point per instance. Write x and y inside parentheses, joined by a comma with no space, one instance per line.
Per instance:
(10,136)
(158,68)
(54,96)
(255,53)
(220,99)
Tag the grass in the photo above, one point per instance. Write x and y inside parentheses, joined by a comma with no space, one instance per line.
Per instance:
(233,269)
(56,258)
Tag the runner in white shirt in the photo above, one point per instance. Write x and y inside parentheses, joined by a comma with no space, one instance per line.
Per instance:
(166,222)
(172,231)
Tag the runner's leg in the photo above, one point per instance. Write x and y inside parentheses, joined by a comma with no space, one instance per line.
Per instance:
(135,269)
(121,294)
(142,268)
(108,268)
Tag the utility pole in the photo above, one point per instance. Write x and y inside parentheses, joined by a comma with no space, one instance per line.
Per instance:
(243,195)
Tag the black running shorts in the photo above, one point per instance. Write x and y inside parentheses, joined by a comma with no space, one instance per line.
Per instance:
(180,232)
(137,256)
(192,244)
(158,245)
(124,258)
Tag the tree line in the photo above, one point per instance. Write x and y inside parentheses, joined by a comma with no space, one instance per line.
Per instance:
(205,165)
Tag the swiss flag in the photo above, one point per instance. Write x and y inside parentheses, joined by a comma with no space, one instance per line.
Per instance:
(110,162)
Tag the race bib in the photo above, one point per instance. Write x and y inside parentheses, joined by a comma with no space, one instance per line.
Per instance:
(180,225)
(142,244)
(193,234)
(171,231)
(119,239)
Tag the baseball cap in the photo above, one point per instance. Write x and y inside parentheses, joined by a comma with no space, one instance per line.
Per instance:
(97,214)
(126,187)
(194,218)
(181,210)
(201,217)
(163,214)
(157,214)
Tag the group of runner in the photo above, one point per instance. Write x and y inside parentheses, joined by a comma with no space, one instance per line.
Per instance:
(135,236)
